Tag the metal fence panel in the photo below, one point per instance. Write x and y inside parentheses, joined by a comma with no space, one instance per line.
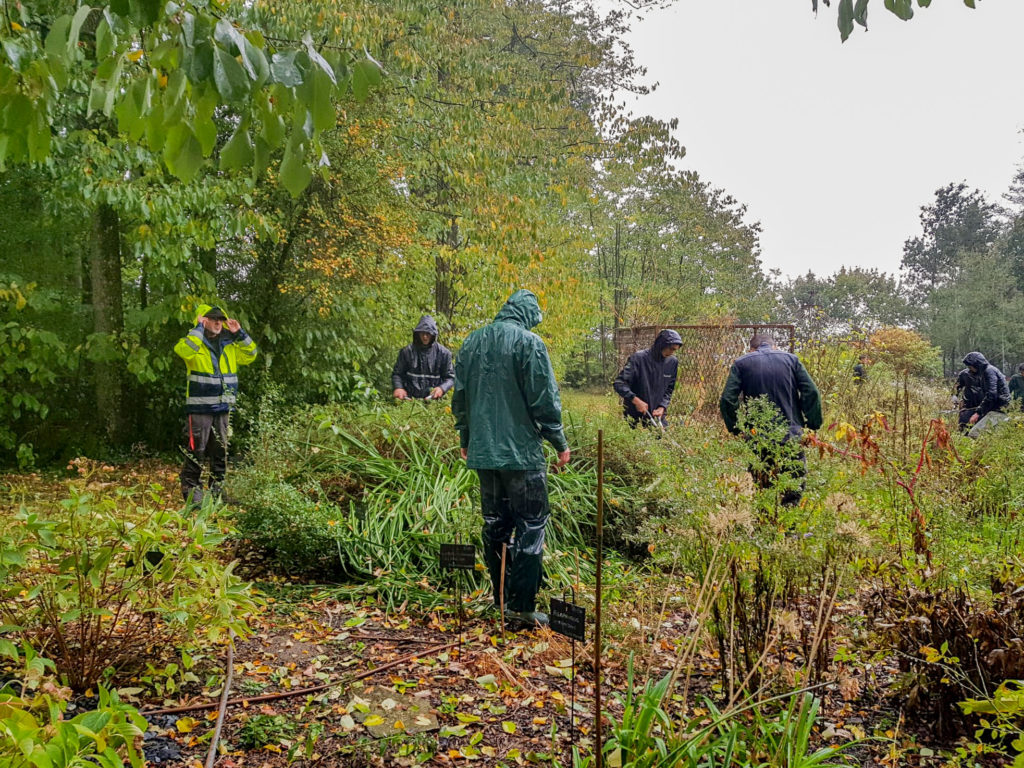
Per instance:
(705,357)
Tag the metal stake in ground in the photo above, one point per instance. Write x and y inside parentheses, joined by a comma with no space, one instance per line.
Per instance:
(458,557)
(570,620)
(501,593)
(599,741)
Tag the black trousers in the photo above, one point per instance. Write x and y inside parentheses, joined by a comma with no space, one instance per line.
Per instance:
(515,510)
(775,463)
(206,439)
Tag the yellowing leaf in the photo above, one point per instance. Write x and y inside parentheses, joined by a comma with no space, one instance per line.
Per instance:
(186,724)
(467,718)
(135,55)
(373,720)
(540,721)
(508,726)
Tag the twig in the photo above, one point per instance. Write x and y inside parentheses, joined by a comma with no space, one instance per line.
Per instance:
(300,691)
(211,756)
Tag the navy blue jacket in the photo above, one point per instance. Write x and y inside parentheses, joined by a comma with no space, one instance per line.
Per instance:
(994,389)
(420,367)
(779,376)
(649,375)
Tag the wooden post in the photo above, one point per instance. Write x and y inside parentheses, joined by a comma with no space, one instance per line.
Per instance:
(598,739)
(501,592)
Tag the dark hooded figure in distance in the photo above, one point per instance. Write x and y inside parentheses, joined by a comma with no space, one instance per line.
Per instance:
(506,403)
(995,393)
(424,368)
(968,396)
(648,379)
(1016,384)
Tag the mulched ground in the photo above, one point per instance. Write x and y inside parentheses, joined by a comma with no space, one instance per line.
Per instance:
(491,700)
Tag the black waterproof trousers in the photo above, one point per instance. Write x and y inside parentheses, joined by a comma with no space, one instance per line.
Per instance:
(206,437)
(514,502)
(774,463)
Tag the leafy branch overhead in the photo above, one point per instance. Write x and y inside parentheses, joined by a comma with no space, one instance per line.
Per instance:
(163,72)
(851,11)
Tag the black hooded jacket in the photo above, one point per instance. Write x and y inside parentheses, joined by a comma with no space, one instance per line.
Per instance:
(779,376)
(421,367)
(649,375)
(994,389)
(969,389)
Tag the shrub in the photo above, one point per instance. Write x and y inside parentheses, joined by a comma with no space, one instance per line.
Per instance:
(261,730)
(95,582)
(34,733)
(370,494)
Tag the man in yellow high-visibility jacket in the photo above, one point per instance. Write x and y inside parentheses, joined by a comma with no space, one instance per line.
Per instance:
(212,352)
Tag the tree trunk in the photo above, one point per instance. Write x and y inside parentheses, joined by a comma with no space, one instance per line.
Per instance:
(108,319)
(446,273)
(207,258)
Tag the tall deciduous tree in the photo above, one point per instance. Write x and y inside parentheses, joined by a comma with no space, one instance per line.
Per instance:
(960,221)
(850,300)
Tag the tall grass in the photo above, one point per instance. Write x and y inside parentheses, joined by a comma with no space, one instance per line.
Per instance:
(374,493)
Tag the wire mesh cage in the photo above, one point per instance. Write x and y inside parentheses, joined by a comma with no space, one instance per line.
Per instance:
(704,359)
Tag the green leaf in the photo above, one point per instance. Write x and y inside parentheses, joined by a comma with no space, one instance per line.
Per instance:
(860,13)
(203,125)
(145,12)
(508,726)
(14,53)
(258,59)
(76,27)
(104,39)
(183,154)
(295,173)
(317,59)
(322,107)
(238,152)
(57,39)
(904,9)
(845,19)
(229,76)
(284,70)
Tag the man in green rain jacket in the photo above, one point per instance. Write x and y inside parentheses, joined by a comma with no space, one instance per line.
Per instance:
(506,404)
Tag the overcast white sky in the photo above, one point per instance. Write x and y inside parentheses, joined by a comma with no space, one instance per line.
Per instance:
(835,147)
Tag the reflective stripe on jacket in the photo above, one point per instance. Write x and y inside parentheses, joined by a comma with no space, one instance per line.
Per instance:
(213,368)
(420,368)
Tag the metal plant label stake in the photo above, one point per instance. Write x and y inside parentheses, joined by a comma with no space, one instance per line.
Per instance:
(570,620)
(458,557)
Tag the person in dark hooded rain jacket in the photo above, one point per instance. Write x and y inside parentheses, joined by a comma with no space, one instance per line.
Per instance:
(424,368)
(1016,385)
(969,395)
(648,379)
(781,378)
(994,390)
(506,403)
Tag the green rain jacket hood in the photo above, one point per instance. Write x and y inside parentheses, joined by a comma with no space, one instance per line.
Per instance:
(506,399)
